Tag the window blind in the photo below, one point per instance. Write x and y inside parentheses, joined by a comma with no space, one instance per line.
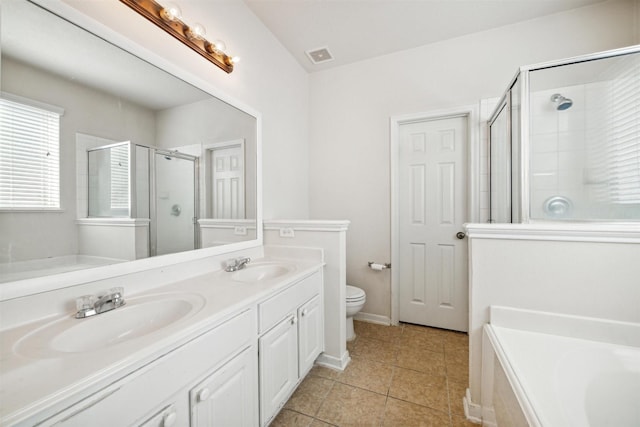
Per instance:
(29,156)
(624,136)
(120,177)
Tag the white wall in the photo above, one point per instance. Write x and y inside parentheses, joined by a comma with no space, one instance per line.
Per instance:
(330,236)
(210,121)
(29,235)
(350,108)
(267,79)
(583,272)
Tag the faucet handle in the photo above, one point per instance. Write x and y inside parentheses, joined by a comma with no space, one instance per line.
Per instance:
(117,292)
(85,302)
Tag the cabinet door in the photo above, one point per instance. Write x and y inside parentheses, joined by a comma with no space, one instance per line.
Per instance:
(310,334)
(228,397)
(278,366)
(169,416)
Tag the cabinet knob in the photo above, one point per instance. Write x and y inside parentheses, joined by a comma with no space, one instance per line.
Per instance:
(204,394)
(294,320)
(169,418)
(304,312)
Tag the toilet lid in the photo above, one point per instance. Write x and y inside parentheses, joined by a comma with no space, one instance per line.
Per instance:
(355,294)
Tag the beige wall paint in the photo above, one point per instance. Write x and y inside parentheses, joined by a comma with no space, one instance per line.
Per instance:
(350,107)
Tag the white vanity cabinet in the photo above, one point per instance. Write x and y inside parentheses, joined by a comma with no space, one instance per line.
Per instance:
(292,337)
(310,334)
(228,397)
(213,376)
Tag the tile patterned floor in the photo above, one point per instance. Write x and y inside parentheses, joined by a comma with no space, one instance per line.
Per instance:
(399,376)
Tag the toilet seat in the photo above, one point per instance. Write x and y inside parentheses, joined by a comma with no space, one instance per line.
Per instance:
(355,295)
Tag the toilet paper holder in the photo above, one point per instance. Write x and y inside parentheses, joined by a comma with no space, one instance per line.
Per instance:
(378,266)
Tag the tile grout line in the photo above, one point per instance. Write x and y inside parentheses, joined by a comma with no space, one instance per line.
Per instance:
(449,346)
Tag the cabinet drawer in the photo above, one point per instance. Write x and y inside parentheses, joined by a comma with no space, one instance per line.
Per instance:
(287,301)
(129,399)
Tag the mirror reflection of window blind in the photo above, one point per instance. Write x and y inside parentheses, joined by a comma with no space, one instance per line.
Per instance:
(120,177)
(29,154)
(624,134)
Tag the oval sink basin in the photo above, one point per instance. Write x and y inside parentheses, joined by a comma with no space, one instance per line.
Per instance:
(139,317)
(261,272)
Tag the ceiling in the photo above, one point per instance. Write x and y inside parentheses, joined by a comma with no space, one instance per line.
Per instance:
(355,30)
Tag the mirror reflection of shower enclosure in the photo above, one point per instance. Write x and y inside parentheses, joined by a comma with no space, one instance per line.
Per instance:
(109,181)
(173,221)
(570,151)
(134,181)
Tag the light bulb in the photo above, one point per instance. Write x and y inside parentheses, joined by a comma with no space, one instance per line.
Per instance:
(235,59)
(171,12)
(197,31)
(219,46)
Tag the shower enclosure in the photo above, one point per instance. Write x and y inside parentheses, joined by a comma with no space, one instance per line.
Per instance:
(564,141)
(128,180)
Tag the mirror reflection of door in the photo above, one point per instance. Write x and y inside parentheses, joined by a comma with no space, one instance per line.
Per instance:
(175,205)
(225,180)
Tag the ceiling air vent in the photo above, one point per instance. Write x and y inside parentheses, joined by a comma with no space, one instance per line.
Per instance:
(319,55)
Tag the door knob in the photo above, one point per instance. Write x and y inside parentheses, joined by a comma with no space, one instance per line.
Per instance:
(460,235)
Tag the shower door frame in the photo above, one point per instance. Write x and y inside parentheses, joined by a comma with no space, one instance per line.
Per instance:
(503,105)
(523,76)
(153,193)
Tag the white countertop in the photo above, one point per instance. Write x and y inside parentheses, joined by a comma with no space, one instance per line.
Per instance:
(29,384)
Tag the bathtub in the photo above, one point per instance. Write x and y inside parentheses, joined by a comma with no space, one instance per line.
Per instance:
(43,267)
(550,370)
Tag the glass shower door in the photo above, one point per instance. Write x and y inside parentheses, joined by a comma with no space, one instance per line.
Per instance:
(174,225)
(500,167)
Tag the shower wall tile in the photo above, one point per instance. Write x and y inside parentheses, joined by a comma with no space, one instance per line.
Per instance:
(570,120)
(486,108)
(571,179)
(546,123)
(544,162)
(484,183)
(572,141)
(545,180)
(544,143)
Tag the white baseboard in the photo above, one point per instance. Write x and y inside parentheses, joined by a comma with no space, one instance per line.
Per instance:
(472,411)
(373,318)
(331,362)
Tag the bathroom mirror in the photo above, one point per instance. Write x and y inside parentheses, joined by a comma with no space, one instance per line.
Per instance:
(147,164)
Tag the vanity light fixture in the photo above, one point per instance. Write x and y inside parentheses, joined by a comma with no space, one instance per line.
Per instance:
(169,18)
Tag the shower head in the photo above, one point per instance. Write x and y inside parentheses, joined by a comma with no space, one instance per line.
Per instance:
(563,103)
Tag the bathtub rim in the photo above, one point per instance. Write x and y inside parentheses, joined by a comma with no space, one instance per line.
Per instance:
(591,331)
(512,377)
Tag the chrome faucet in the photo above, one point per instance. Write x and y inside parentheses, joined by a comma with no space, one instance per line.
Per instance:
(90,305)
(236,264)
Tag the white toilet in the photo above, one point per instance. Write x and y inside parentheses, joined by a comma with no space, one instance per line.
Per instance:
(355,301)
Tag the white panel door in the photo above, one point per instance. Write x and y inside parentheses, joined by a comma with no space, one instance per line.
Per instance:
(432,174)
(227,187)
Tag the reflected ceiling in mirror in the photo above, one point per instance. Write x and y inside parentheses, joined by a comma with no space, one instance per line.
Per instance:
(184,175)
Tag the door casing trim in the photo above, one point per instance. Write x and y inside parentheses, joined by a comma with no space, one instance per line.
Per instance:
(471,113)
